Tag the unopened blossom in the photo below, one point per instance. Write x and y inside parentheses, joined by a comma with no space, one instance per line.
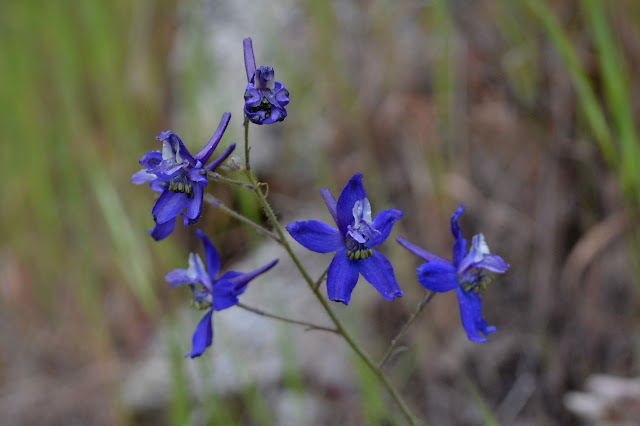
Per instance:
(180,178)
(264,98)
(210,291)
(353,243)
(468,274)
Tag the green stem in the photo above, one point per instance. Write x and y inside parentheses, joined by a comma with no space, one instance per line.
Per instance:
(394,343)
(312,286)
(284,319)
(319,280)
(220,206)
(219,178)
(247,165)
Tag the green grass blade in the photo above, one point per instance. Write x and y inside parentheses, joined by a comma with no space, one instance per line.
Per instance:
(588,100)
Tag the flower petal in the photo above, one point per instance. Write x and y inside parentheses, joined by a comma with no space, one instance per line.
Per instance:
(281,95)
(420,252)
(481,258)
(351,193)
(316,236)
(163,230)
(460,246)
(194,275)
(179,277)
(169,205)
(174,149)
(224,295)
(203,336)
(142,176)
(198,173)
(493,263)
(249,59)
(240,281)
(384,223)
(194,206)
(211,255)
(439,277)
(471,315)
(159,185)
(379,272)
(233,274)
(151,159)
(204,155)
(342,278)
(214,164)
(331,203)
(252,99)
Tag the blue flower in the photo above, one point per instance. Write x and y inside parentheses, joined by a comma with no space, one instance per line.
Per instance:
(264,98)
(466,274)
(210,291)
(179,177)
(352,242)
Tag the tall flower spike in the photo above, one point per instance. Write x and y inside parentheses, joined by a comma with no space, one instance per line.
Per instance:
(210,291)
(352,243)
(264,98)
(467,274)
(180,178)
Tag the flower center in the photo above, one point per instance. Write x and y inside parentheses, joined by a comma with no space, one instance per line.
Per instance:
(360,252)
(265,106)
(359,234)
(180,184)
(475,281)
(201,300)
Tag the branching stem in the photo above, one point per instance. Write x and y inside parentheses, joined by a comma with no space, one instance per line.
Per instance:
(218,177)
(284,319)
(220,206)
(414,316)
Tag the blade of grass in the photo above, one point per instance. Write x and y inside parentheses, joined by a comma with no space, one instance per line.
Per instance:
(588,100)
(617,91)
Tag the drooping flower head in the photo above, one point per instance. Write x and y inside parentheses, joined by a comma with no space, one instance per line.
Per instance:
(210,291)
(179,177)
(264,98)
(352,243)
(468,273)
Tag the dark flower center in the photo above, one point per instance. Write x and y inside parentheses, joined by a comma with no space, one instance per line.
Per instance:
(475,281)
(360,254)
(180,184)
(356,250)
(265,106)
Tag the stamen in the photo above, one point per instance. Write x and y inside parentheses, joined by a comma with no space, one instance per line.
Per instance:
(201,306)
(360,253)
(178,185)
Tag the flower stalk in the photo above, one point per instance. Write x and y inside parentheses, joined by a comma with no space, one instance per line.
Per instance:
(412,319)
(287,320)
(220,206)
(325,304)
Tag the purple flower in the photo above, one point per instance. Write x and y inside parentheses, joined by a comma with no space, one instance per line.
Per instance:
(352,242)
(467,274)
(210,291)
(179,177)
(264,98)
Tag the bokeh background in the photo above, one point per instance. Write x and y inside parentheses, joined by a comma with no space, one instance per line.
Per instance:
(524,111)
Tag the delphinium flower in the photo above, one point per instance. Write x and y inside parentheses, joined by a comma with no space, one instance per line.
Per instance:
(468,273)
(179,177)
(210,291)
(352,243)
(264,98)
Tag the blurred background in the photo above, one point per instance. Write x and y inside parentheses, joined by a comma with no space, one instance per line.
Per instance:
(524,111)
